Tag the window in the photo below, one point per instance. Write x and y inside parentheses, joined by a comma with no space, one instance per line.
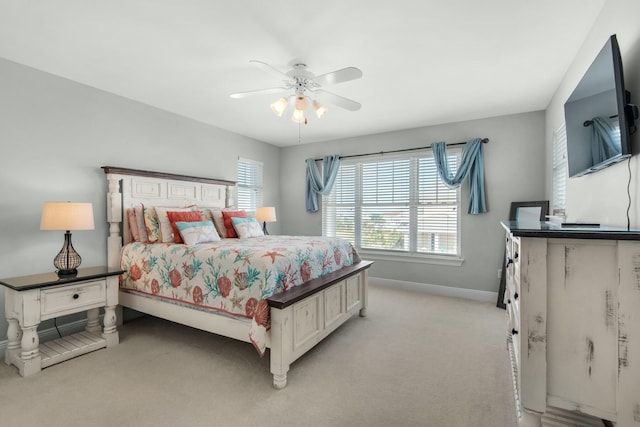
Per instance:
(249,184)
(559,179)
(394,204)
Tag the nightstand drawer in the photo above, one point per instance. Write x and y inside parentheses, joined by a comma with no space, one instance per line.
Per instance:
(71,299)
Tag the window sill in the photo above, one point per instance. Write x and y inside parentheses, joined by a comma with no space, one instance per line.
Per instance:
(449,260)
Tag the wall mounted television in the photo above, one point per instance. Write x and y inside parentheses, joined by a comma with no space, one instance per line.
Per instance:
(599,116)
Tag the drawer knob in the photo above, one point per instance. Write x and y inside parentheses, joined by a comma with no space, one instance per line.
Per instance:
(509,261)
(515,296)
(508,301)
(516,256)
(514,332)
(76,296)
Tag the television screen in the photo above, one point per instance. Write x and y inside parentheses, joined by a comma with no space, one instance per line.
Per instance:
(597,127)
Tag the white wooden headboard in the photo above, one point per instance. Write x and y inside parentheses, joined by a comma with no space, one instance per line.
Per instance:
(130,187)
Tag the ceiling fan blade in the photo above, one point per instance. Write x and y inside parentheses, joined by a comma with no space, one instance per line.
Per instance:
(269,69)
(340,101)
(339,76)
(239,95)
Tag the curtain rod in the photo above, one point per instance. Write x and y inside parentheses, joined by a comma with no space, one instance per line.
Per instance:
(484,141)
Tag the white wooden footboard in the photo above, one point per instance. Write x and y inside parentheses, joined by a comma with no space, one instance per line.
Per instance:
(301,318)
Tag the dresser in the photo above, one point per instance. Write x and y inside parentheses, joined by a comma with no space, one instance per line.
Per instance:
(34,298)
(573,323)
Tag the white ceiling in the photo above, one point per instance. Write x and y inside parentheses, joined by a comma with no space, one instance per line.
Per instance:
(424,62)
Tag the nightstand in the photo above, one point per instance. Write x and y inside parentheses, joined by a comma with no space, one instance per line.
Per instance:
(32,299)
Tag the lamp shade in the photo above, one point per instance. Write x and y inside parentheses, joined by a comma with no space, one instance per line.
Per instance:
(279,106)
(266,214)
(67,216)
(298,116)
(301,102)
(319,109)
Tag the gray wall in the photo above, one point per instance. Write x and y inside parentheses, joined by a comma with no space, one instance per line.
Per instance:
(602,196)
(514,171)
(54,136)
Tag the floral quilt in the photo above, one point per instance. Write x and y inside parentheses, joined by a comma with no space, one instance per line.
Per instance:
(233,276)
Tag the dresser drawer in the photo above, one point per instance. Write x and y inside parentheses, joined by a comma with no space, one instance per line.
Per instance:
(514,287)
(515,256)
(509,245)
(72,299)
(513,311)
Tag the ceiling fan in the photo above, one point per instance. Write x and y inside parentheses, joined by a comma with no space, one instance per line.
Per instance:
(304,88)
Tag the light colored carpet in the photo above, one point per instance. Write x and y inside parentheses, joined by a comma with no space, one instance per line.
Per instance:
(415,360)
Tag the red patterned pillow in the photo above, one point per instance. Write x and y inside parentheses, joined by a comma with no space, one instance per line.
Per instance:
(228,225)
(174,217)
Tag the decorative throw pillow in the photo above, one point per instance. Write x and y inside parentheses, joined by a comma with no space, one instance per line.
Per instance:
(206,214)
(166,233)
(140,220)
(247,227)
(184,217)
(228,225)
(151,224)
(133,225)
(197,232)
(218,220)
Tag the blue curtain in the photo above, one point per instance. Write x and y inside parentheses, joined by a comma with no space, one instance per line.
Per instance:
(605,140)
(315,184)
(472,164)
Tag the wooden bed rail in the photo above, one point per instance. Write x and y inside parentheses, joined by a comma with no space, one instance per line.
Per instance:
(298,293)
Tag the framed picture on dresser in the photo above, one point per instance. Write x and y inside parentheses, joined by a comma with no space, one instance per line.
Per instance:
(522,212)
(529,211)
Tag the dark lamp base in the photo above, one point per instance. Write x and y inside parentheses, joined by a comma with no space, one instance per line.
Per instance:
(67,273)
(68,260)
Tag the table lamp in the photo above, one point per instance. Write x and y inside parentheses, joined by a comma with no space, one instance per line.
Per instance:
(67,216)
(265,214)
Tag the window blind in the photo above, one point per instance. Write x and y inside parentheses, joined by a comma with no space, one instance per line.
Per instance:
(249,184)
(559,174)
(438,209)
(397,204)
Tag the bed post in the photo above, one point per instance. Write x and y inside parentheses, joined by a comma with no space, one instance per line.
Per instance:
(114,241)
(281,344)
(364,285)
(114,218)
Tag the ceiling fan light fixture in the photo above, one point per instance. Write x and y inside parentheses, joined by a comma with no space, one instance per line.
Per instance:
(301,87)
(279,106)
(319,108)
(298,116)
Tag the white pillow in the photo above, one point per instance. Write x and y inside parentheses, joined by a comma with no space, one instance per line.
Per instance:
(246,227)
(166,232)
(197,232)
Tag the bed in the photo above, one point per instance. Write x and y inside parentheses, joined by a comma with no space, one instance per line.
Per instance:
(284,293)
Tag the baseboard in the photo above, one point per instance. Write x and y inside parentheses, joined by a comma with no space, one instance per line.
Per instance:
(447,291)
(52,333)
